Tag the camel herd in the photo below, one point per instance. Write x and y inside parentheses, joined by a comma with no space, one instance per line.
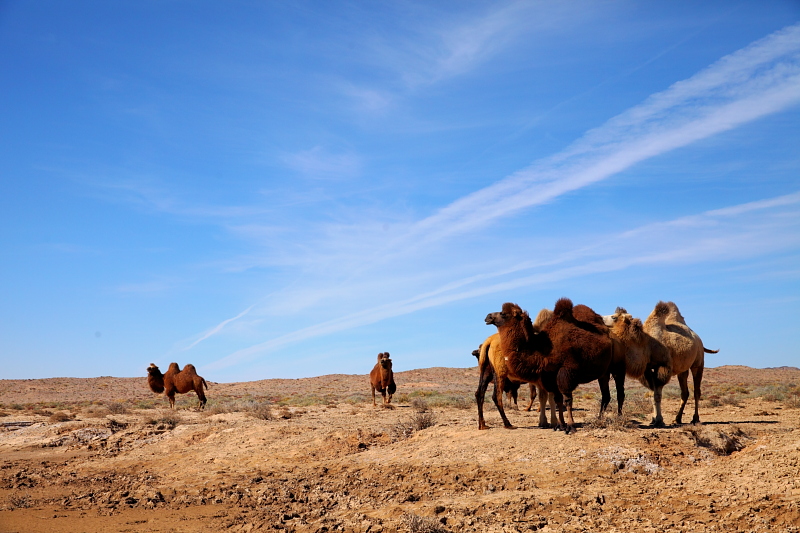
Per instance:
(553,354)
(571,345)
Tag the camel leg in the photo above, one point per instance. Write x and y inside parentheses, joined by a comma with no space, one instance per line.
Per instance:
(498,402)
(697,378)
(682,381)
(619,383)
(373,398)
(605,393)
(658,420)
(514,394)
(480,395)
(201,397)
(532,388)
(553,408)
(543,397)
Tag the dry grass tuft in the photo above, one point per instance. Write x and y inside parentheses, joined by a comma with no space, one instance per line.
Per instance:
(61,416)
(117,408)
(638,405)
(19,502)
(421,524)
(421,418)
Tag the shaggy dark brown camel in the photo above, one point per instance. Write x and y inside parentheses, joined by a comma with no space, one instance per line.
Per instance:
(176,381)
(565,353)
(492,367)
(381,378)
(667,325)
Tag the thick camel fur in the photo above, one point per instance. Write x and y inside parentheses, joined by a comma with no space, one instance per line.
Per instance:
(667,325)
(566,352)
(492,367)
(176,381)
(638,355)
(381,378)
(510,388)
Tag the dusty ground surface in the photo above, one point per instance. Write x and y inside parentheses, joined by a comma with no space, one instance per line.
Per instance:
(314,455)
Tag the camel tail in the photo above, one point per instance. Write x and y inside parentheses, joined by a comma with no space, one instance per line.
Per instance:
(204,383)
(709,351)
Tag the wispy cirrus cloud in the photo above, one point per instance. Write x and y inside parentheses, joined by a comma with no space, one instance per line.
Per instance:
(318,163)
(737,232)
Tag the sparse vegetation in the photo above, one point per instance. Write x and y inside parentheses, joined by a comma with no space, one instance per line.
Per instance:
(638,405)
(166,421)
(422,524)
(19,502)
(421,418)
(61,416)
(117,408)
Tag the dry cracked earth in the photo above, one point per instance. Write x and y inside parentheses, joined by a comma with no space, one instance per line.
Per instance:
(314,455)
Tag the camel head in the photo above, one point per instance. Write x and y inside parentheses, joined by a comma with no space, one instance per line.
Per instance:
(155,379)
(477,353)
(609,320)
(627,328)
(510,313)
(386,363)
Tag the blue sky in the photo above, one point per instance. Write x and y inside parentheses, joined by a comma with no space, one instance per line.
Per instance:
(285,189)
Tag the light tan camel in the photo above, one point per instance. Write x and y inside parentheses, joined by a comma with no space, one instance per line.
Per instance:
(667,325)
(638,355)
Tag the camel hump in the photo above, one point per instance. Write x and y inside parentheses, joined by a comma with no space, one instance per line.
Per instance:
(189,368)
(542,318)
(563,309)
(709,351)
(661,309)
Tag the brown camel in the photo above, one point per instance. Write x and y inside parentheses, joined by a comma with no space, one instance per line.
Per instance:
(510,388)
(667,325)
(381,378)
(176,381)
(492,366)
(638,355)
(565,353)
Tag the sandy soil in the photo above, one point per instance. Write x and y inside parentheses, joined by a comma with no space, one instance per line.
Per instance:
(327,460)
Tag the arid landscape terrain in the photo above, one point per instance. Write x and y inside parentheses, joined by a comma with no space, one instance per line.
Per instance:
(314,455)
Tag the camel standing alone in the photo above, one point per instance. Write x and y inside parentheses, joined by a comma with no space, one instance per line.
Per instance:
(381,378)
(564,354)
(667,325)
(176,381)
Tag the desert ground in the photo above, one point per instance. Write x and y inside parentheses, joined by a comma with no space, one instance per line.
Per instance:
(314,455)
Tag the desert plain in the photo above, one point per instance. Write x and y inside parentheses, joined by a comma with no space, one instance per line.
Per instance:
(314,455)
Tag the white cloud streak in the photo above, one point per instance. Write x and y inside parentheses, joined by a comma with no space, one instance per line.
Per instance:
(216,329)
(735,232)
(761,79)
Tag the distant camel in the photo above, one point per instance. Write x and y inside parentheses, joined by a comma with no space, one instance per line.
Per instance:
(381,378)
(176,380)
(667,325)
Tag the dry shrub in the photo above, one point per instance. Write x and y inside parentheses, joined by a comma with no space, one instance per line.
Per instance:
(421,524)
(19,502)
(793,400)
(117,408)
(261,410)
(165,421)
(717,441)
(637,406)
(421,418)
(61,416)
